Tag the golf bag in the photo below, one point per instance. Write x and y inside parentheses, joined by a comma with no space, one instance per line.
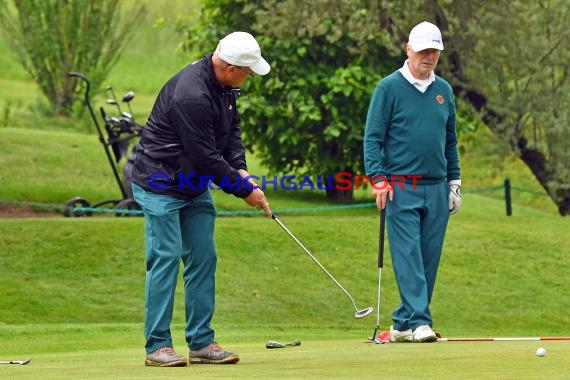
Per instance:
(115,137)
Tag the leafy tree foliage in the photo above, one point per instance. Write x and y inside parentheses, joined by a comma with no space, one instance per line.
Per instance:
(510,60)
(507,59)
(54,37)
(521,64)
(308,115)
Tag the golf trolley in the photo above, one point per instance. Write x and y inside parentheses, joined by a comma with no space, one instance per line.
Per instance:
(120,130)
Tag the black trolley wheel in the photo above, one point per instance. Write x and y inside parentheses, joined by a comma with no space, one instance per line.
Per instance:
(70,205)
(127,204)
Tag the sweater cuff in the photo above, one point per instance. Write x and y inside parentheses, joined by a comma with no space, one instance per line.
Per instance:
(243,192)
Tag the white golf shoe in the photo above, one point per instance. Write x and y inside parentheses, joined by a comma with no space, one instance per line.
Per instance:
(405,336)
(424,334)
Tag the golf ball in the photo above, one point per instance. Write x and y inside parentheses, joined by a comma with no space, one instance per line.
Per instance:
(540,352)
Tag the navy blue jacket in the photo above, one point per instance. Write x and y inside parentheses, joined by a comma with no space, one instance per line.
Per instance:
(192,134)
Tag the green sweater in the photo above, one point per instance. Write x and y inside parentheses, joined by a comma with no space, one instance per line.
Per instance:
(410,133)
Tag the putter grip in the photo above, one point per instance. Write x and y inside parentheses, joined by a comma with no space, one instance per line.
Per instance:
(381,240)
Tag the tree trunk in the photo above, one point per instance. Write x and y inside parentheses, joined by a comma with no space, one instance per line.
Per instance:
(533,158)
(536,161)
(339,196)
(339,191)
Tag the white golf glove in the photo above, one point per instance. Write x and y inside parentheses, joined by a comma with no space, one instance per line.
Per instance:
(454,200)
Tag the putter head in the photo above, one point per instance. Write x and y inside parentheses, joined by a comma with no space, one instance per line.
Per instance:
(376,341)
(18,362)
(364,312)
(272,344)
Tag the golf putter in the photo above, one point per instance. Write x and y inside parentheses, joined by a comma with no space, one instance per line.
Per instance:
(19,362)
(360,313)
(274,344)
(374,338)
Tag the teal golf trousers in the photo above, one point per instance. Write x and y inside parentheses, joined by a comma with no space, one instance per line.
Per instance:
(178,231)
(416,222)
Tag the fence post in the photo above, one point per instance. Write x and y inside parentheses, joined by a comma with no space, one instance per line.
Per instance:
(508,202)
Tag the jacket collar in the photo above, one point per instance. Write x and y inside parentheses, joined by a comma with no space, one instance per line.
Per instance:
(213,82)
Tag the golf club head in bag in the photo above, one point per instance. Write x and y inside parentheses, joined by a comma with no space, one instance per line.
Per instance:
(115,134)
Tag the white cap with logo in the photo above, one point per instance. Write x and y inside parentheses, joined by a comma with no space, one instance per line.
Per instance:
(425,35)
(241,49)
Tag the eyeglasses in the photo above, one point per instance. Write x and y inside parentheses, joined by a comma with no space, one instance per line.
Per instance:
(246,70)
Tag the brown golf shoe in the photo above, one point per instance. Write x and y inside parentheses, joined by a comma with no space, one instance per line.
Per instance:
(165,357)
(213,354)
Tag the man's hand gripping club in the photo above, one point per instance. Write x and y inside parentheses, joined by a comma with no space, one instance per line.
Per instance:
(380,191)
(257,197)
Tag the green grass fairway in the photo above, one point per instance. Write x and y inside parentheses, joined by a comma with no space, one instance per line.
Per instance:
(323,354)
(66,165)
(72,289)
(72,298)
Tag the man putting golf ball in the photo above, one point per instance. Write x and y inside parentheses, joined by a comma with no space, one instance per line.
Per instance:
(540,352)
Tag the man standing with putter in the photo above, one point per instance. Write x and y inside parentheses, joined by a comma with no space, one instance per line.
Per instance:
(192,132)
(411,131)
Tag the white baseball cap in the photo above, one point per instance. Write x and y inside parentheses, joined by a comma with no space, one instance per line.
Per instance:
(425,35)
(241,49)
